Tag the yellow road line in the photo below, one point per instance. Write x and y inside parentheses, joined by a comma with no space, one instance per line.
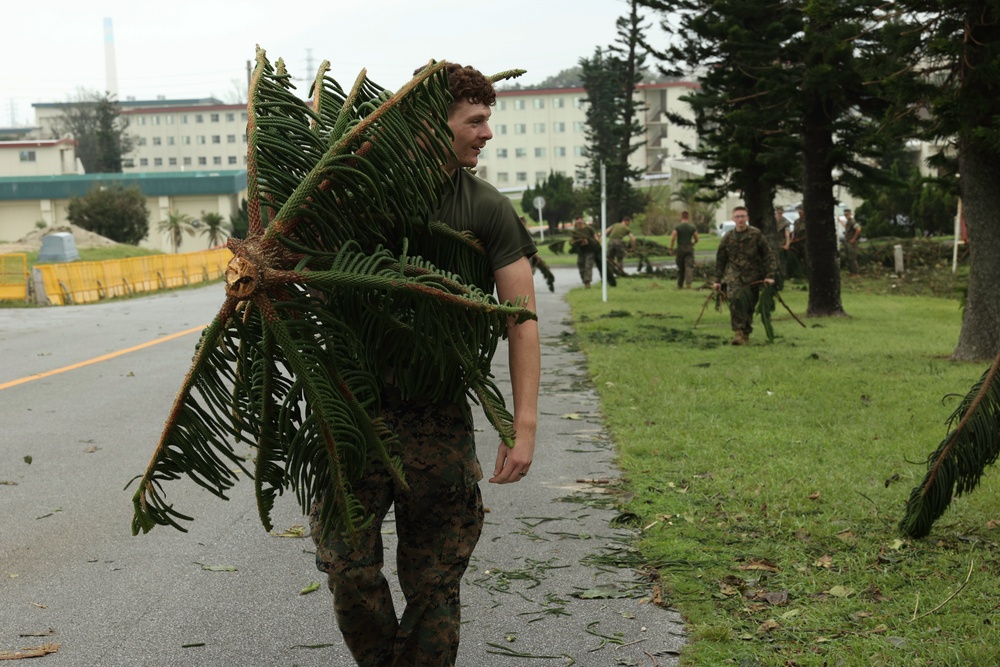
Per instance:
(103,357)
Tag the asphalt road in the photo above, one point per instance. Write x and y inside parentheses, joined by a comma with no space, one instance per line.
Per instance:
(71,572)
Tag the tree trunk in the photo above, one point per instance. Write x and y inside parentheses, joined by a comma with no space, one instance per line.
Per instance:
(759,199)
(979,338)
(818,202)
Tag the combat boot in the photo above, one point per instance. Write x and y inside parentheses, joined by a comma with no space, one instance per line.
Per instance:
(739,338)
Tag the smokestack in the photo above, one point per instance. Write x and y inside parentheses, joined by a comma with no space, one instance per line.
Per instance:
(110,67)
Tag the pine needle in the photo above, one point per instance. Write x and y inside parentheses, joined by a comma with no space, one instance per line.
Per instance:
(959,462)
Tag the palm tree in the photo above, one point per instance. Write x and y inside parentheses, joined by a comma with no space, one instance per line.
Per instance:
(216,228)
(176,226)
(326,295)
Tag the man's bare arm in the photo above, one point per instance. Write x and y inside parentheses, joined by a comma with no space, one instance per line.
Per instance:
(513,281)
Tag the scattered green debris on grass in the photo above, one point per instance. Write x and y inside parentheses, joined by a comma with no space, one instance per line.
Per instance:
(766,481)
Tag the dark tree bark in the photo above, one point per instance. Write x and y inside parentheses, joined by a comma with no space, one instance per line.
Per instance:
(818,202)
(980,335)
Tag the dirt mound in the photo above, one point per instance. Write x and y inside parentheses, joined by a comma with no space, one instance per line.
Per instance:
(82,237)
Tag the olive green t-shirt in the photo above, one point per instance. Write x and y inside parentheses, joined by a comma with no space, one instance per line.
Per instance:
(685,236)
(618,231)
(468,203)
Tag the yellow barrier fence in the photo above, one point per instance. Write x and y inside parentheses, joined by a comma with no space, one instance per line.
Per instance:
(14,277)
(86,282)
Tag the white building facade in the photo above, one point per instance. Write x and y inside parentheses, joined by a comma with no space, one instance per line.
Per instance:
(543,130)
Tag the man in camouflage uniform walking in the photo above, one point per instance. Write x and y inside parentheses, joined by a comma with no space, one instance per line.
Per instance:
(584,242)
(852,232)
(685,235)
(744,261)
(439,517)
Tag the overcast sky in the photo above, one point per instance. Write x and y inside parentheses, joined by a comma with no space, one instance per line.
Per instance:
(199,48)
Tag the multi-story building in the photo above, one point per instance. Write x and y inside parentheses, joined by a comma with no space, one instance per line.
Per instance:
(173,135)
(535,132)
(543,130)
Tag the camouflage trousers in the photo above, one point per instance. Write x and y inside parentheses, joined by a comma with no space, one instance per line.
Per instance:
(585,265)
(851,257)
(742,302)
(685,267)
(438,522)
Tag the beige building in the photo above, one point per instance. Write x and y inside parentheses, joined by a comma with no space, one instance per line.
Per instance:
(538,131)
(39,157)
(190,155)
(172,135)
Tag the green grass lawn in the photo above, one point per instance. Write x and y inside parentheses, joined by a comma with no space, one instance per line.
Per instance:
(117,251)
(767,481)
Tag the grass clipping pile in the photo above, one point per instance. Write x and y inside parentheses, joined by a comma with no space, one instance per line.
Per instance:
(336,287)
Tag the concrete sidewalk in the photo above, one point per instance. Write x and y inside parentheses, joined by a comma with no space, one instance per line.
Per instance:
(540,583)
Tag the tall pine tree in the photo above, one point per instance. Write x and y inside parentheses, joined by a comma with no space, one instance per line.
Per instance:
(610,77)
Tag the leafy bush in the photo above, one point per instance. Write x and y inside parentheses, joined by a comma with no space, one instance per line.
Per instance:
(116,212)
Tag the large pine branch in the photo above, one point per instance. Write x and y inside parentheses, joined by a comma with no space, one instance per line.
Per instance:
(327,296)
(960,461)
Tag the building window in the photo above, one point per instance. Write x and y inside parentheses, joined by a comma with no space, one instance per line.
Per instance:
(579,151)
(156,120)
(558,102)
(501,177)
(201,139)
(157,141)
(243,115)
(519,104)
(214,117)
(184,119)
(522,177)
(216,139)
(169,119)
(230,138)
(170,141)
(140,141)
(580,102)
(198,118)
(539,152)
(502,105)
(581,175)
(141,120)
(128,163)
(559,127)
(578,126)
(520,128)
(230,117)
(501,152)
(538,102)
(157,162)
(560,151)
(187,162)
(501,129)
(217,160)
(27,156)
(186,141)
(173,161)
(244,137)
(540,176)
(520,152)
(232,159)
(539,128)
(143,162)
(202,161)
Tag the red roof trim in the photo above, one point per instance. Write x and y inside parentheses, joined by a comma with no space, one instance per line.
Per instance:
(569,91)
(191,109)
(37,143)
